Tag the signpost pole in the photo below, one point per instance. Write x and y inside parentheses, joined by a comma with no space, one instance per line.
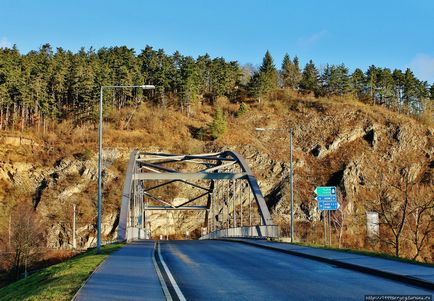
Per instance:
(330,231)
(325,232)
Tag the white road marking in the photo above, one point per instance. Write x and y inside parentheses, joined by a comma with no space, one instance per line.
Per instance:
(169,275)
(160,277)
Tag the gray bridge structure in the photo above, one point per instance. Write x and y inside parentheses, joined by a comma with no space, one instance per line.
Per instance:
(226,190)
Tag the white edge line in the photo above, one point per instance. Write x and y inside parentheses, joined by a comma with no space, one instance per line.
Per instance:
(169,275)
(160,277)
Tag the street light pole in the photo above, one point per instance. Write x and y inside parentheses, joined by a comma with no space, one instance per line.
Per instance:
(74,240)
(291,185)
(145,87)
(290,175)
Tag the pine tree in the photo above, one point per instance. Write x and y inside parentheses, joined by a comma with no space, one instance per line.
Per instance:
(295,73)
(371,81)
(265,80)
(398,83)
(310,79)
(431,92)
(286,71)
(358,83)
(385,86)
(190,77)
(410,90)
(218,126)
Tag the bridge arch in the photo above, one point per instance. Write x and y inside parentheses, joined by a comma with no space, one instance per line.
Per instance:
(230,194)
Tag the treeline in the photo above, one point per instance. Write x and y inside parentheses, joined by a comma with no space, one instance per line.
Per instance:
(44,85)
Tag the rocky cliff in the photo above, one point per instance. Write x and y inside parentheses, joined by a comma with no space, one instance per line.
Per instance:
(335,143)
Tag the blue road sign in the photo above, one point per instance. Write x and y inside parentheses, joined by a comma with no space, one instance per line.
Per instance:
(325,190)
(326,198)
(328,205)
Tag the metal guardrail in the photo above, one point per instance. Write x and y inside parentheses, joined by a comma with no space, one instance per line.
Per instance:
(253,231)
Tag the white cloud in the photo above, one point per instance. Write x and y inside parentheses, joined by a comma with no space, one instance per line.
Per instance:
(5,43)
(423,67)
(311,40)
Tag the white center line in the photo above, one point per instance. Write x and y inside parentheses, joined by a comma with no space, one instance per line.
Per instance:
(171,279)
(160,277)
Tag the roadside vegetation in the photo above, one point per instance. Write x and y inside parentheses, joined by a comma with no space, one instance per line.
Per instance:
(362,252)
(60,281)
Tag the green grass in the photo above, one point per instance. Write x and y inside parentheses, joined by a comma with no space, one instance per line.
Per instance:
(362,252)
(60,281)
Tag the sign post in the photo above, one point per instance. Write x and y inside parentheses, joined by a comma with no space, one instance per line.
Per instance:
(327,200)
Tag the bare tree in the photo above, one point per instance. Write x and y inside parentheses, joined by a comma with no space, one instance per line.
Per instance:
(421,217)
(392,203)
(27,235)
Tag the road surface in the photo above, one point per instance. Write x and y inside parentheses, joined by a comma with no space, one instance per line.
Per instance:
(217,270)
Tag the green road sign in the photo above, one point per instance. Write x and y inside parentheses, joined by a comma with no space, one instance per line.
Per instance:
(325,190)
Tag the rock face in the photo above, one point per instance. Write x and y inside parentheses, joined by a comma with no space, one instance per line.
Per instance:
(341,147)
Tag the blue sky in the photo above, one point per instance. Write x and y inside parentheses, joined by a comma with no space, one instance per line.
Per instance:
(395,34)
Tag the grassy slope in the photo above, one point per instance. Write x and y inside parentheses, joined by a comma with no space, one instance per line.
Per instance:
(363,252)
(58,282)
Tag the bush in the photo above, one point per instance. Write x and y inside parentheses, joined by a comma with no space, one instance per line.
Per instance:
(244,108)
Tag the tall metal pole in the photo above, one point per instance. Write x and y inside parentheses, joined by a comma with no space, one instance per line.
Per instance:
(250,204)
(74,241)
(146,87)
(9,231)
(234,200)
(241,203)
(167,225)
(291,186)
(325,232)
(98,244)
(330,231)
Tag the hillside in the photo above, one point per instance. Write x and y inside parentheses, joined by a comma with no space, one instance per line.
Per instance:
(376,158)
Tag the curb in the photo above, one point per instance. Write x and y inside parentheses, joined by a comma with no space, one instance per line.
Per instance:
(389,275)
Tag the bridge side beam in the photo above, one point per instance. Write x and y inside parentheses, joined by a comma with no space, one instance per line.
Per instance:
(126,195)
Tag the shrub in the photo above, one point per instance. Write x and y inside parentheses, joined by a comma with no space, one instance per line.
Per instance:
(244,108)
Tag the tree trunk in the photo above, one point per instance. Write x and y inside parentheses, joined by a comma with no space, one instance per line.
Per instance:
(14,115)
(7,117)
(23,108)
(1,118)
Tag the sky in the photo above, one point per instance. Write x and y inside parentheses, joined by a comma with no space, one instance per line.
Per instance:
(393,34)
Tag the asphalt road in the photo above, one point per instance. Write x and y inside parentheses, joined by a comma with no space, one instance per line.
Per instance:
(217,270)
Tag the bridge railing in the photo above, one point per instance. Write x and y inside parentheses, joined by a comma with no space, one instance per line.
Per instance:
(249,231)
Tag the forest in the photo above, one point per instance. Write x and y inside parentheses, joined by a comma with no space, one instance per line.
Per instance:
(51,85)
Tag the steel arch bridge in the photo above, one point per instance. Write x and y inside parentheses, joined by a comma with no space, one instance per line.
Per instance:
(228,193)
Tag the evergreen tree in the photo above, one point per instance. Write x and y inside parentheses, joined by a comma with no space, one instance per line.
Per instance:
(265,80)
(295,73)
(286,71)
(385,86)
(218,126)
(371,81)
(409,90)
(310,79)
(398,83)
(431,92)
(190,83)
(358,83)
